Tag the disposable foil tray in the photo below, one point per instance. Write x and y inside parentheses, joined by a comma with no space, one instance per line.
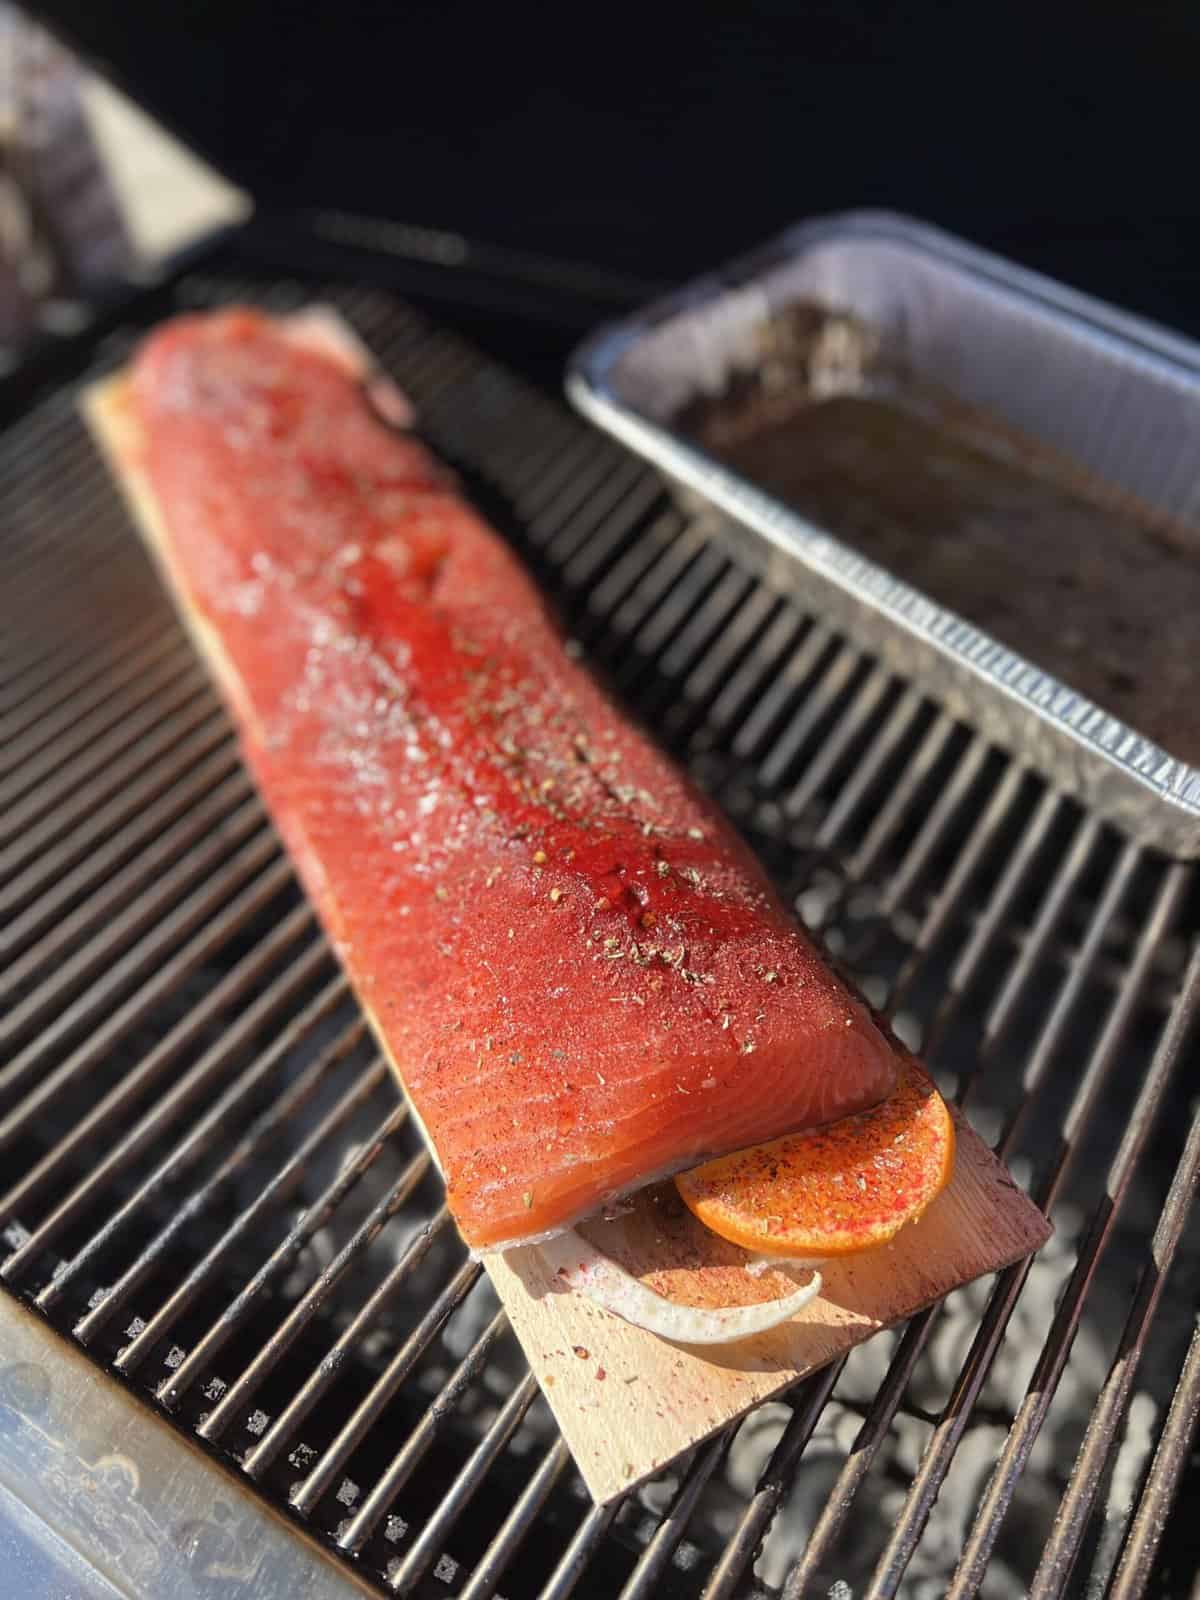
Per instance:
(1044,447)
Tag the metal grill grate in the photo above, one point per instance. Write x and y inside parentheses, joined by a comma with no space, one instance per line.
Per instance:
(209,1183)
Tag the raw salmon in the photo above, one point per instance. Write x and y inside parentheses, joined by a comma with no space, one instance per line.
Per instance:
(582,977)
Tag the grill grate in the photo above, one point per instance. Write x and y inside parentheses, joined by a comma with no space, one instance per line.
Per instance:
(211,1186)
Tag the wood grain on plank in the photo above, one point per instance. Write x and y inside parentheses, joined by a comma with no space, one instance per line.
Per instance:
(628,1402)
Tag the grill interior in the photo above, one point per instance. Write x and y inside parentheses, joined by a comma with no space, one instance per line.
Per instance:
(210,1185)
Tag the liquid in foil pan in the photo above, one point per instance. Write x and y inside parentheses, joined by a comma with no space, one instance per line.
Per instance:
(1094,395)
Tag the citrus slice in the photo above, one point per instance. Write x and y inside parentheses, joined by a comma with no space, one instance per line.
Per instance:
(835,1190)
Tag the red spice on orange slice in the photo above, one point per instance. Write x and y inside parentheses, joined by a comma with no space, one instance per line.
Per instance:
(848,1186)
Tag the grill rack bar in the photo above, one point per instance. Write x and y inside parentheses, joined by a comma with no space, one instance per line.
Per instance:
(1149,1521)
(1062,1550)
(772,1485)
(430,1541)
(256,1460)
(517,1526)
(306,1494)
(173,1387)
(125,862)
(87,1058)
(86,764)
(578,1553)
(1049,1369)
(943,858)
(281,1185)
(219,1419)
(653,1561)
(129,930)
(358,1530)
(948,1432)
(47,560)
(182,1096)
(890,1396)
(201,725)
(259,893)
(54,740)
(62,692)
(268,1125)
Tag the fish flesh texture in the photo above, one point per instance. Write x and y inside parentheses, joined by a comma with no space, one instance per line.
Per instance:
(581,975)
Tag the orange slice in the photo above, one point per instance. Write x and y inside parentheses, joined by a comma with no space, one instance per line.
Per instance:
(834,1190)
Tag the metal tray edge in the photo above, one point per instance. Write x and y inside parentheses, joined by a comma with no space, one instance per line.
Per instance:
(1152,795)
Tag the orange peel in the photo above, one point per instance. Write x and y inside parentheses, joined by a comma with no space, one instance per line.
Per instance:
(835,1190)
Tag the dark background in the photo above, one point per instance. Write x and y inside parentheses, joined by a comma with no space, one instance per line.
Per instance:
(660,140)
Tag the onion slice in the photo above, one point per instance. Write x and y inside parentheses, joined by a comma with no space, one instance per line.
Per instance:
(582,1266)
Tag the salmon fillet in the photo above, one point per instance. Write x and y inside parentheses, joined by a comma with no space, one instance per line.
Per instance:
(581,975)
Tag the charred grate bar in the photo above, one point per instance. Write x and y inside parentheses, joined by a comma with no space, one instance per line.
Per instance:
(210,1185)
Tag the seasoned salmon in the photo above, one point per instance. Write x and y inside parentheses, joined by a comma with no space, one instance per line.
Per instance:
(581,975)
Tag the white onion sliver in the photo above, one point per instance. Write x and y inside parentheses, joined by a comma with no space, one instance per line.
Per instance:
(582,1266)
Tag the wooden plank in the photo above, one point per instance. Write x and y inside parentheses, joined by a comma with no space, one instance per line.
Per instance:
(628,1402)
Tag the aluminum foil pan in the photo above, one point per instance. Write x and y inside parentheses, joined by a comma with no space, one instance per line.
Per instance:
(1099,400)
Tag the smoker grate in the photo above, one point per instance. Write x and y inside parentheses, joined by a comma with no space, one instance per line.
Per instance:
(210,1185)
